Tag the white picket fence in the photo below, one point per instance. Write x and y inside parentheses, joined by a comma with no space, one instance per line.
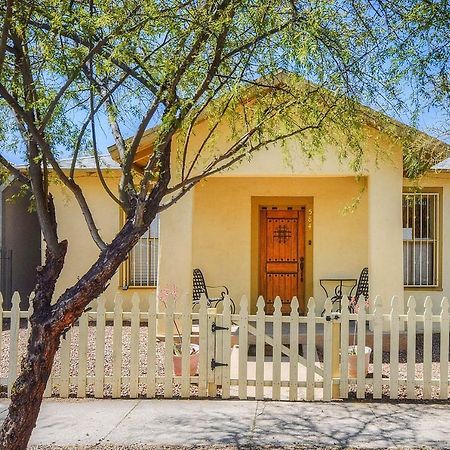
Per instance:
(123,354)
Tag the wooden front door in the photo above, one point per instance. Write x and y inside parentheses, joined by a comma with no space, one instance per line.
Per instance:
(282,257)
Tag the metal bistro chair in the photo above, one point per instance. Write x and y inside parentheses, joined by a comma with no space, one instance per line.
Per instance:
(362,288)
(199,287)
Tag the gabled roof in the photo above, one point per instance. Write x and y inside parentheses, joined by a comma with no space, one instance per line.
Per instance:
(86,163)
(373,118)
(442,166)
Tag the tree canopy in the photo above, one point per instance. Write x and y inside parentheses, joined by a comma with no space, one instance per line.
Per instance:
(70,69)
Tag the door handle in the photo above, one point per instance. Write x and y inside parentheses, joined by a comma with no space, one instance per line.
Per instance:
(302,266)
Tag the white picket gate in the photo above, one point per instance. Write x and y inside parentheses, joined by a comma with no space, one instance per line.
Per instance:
(241,355)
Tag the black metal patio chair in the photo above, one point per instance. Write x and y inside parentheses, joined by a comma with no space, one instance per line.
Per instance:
(362,288)
(199,287)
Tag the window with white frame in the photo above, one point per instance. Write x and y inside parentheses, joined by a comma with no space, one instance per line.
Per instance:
(421,239)
(141,269)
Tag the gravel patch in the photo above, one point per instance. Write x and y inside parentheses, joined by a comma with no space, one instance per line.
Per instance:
(402,370)
(214,447)
(74,356)
(160,354)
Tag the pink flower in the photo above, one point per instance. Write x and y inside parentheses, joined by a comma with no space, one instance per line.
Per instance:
(166,292)
(353,303)
(163,296)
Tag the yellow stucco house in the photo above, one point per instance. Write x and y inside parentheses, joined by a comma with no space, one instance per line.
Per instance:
(268,227)
(271,228)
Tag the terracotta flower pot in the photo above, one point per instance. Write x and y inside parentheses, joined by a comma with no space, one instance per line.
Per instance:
(352,360)
(193,361)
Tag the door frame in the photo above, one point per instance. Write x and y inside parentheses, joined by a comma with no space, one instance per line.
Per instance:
(281,202)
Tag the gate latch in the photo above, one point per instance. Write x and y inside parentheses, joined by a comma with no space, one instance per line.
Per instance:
(215,364)
(333,316)
(215,327)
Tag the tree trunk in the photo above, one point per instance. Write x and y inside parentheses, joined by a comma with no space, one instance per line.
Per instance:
(36,366)
(28,390)
(48,324)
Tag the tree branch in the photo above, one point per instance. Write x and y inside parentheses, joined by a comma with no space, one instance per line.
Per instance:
(5,31)
(70,183)
(14,171)
(105,51)
(97,161)
(38,182)
(231,156)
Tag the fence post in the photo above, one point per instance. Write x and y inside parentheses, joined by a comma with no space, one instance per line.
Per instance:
(203,343)
(335,369)
(411,349)
(100,347)
(226,342)
(327,344)
(65,347)
(212,387)
(311,350)
(361,349)
(151,348)
(169,347)
(260,348)
(218,348)
(276,350)
(117,348)
(377,348)
(344,342)
(243,348)
(293,354)
(186,329)
(83,348)
(393,357)
(443,372)
(427,348)
(134,350)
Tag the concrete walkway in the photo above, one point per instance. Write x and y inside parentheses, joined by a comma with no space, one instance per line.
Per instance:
(238,423)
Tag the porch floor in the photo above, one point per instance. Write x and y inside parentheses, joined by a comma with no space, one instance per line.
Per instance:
(285,332)
(285,336)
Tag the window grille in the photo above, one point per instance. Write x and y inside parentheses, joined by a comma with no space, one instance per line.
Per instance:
(421,236)
(142,267)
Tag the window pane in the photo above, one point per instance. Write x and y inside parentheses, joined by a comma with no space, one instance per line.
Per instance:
(143,258)
(420,239)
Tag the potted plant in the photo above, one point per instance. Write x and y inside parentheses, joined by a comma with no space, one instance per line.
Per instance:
(194,351)
(353,349)
(193,359)
(352,360)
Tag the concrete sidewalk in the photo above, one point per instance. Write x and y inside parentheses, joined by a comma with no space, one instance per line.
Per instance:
(239,423)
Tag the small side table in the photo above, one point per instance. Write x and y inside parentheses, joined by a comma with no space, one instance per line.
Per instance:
(339,285)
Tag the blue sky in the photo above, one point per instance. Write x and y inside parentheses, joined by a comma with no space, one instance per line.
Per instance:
(429,121)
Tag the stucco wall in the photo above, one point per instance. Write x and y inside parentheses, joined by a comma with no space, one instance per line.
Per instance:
(211,227)
(21,235)
(222,227)
(220,212)
(82,251)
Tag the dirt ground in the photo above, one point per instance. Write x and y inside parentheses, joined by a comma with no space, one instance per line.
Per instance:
(160,353)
